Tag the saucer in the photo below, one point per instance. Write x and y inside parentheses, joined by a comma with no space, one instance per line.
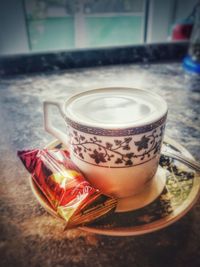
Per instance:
(151,191)
(180,190)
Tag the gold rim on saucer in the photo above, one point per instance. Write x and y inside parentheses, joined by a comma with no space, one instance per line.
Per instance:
(178,196)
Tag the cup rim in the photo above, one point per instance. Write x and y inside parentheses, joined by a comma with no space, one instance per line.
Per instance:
(160,116)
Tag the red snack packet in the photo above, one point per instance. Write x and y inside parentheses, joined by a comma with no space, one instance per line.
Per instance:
(64,186)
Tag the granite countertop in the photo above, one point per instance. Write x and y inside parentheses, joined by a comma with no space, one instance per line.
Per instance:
(31,237)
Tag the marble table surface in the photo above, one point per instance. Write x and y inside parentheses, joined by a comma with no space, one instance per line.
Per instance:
(31,237)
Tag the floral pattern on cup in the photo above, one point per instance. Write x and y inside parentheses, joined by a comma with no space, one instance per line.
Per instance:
(117,152)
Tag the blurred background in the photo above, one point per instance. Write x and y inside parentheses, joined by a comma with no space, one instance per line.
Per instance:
(30,26)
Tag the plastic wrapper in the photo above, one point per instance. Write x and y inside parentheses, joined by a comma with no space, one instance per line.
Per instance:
(65,188)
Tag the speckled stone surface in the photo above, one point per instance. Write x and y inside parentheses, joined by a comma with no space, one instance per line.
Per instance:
(59,60)
(31,237)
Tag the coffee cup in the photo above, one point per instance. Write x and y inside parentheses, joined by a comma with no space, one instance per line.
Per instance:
(114,136)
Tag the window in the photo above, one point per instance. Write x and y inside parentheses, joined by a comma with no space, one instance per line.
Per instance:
(49,25)
(66,24)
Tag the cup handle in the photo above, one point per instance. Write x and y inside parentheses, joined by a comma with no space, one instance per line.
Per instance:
(48,124)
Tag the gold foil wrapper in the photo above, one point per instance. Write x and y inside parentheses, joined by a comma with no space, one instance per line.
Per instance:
(65,188)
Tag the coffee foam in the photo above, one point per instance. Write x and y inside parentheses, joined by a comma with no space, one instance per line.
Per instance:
(115,107)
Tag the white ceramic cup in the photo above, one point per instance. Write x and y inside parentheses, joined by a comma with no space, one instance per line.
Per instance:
(119,157)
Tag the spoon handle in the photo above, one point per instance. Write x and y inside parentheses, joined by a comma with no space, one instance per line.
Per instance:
(189,162)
